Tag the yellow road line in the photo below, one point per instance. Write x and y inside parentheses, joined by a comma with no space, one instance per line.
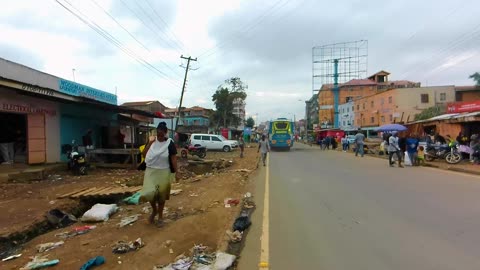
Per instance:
(264,245)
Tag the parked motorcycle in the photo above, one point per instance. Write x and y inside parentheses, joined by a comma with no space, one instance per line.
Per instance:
(77,162)
(194,150)
(450,154)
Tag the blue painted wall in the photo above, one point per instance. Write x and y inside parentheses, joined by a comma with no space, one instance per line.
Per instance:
(77,119)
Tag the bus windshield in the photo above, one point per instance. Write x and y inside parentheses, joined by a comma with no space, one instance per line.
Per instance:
(281,125)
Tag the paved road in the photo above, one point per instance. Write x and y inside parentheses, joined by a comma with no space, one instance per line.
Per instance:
(333,211)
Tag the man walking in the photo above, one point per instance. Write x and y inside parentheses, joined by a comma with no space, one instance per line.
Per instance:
(394,148)
(264,147)
(359,143)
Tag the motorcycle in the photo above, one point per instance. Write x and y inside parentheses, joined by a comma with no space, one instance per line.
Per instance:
(450,154)
(194,150)
(76,161)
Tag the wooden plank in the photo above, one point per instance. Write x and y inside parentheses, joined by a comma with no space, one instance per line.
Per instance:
(118,190)
(97,191)
(76,195)
(71,193)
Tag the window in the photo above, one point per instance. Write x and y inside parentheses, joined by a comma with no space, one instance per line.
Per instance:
(371,104)
(391,118)
(382,101)
(353,122)
(205,138)
(372,119)
(348,109)
(363,106)
(424,98)
(344,123)
(216,139)
(196,137)
(358,107)
(390,99)
(383,119)
(443,96)
(352,108)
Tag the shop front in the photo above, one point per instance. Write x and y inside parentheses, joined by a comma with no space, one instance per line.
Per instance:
(31,126)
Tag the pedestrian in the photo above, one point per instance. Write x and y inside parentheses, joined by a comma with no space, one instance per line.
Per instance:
(264,148)
(344,142)
(359,143)
(421,156)
(412,146)
(161,165)
(241,144)
(462,139)
(7,142)
(473,143)
(394,148)
(87,139)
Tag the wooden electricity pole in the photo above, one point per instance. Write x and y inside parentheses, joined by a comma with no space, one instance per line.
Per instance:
(183,88)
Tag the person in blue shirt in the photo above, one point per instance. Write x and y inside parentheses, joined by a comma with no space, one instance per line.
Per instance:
(412,146)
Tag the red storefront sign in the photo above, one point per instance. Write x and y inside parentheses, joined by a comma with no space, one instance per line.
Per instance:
(463,107)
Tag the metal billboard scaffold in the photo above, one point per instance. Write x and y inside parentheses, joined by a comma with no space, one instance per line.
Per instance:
(338,63)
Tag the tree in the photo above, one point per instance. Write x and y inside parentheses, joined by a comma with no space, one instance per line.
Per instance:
(250,122)
(476,77)
(224,97)
(430,112)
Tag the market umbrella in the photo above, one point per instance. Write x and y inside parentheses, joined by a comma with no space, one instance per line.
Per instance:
(392,127)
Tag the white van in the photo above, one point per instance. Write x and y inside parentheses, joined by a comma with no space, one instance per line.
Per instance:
(213,142)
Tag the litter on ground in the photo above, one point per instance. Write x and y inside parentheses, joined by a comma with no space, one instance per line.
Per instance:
(49,246)
(99,212)
(123,247)
(128,220)
(38,262)
(99,260)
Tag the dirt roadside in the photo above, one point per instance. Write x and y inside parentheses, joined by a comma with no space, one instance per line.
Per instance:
(202,216)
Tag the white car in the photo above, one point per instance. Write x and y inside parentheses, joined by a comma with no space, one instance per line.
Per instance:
(213,142)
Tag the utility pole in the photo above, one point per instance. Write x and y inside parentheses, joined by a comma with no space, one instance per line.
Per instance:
(183,88)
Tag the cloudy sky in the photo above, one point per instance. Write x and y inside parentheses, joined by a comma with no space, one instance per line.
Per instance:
(268,44)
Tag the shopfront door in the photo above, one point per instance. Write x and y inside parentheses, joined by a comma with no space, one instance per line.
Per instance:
(36,138)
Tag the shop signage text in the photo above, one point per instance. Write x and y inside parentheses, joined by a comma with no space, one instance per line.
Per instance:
(463,107)
(79,90)
(39,90)
(26,108)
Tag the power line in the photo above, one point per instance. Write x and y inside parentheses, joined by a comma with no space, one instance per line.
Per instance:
(166,25)
(147,26)
(252,23)
(99,30)
(131,35)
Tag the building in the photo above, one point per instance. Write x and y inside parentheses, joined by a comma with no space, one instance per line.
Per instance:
(45,113)
(399,105)
(239,111)
(352,90)
(467,93)
(194,120)
(347,116)
(153,106)
(311,112)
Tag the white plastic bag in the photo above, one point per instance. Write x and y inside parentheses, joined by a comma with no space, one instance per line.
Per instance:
(408,162)
(99,212)
(223,261)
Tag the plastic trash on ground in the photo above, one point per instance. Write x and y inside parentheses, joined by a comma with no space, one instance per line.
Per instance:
(59,218)
(123,247)
(134,199)
(49,246)
(38,262)
(241,223)
(11,257)
(128,220)
(76,231)
(99,212)
(99,260)
(223,261)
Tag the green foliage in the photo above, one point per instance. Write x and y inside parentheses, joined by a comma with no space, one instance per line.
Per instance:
(430,112)
(476,77)
(223,98)
(250,122)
